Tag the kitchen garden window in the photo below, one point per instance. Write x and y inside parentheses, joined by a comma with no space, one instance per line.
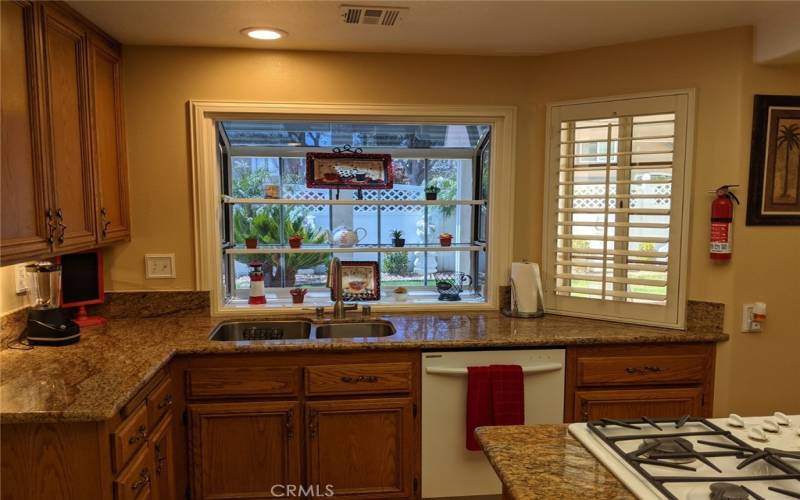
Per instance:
(262,171)
(616,211)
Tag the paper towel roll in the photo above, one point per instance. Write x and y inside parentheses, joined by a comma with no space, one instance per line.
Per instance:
(526,287)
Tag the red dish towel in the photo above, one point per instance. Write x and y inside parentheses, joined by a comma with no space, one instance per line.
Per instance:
(508,395)
(479,402)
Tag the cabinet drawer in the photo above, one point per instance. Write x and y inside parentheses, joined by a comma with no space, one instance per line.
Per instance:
(129,437)
(134,482)
(642,370)
(160,401)
(242,381)
(360,379)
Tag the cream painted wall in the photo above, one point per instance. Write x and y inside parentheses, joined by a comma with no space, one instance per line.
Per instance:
(754,372)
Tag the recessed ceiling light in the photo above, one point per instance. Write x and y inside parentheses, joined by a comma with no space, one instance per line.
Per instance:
(264,33)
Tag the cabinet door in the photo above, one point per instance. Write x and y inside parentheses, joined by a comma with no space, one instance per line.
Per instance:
(23,183)
(242,450)
(66,130)
(634,403)
(108,141)
(361,448)
(163,484)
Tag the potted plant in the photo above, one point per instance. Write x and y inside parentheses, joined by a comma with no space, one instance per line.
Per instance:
(432,192)
(445,239)
(397,238)
(296,241)
(400,294)
(298,294)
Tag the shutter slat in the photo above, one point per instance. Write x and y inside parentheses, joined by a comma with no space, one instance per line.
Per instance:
(610,265)
(600,251)
(610,279)
(633,239)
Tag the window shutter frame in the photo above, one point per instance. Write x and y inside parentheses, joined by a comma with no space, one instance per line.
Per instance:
(679,102)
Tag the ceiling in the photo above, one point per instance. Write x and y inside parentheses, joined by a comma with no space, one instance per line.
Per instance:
(436,27)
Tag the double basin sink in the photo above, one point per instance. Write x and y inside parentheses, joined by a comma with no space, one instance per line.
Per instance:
(299,329)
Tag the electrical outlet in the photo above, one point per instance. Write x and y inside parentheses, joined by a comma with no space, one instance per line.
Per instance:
(159,265)
(20,280)
(749,324)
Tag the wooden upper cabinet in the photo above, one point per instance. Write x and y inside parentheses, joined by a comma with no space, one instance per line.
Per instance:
(64,174)
(241,450)
(108,140)
(66,126)
(24,229)
(363,448)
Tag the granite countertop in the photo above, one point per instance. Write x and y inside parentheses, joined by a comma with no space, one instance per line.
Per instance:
(91,380)
(536,462)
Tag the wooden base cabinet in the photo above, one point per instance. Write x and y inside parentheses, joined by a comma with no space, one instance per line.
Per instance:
(629,381)
(244,450)
(303,425)
(632,403)
(361,448)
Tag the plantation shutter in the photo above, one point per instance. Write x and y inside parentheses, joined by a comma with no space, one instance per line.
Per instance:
(615,209)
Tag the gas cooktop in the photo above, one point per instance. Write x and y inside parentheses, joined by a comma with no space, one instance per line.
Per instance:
(695,458)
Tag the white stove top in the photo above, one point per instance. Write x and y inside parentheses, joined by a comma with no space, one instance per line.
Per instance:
(702,438)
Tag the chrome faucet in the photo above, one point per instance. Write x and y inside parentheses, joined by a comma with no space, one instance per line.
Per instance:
(334,282)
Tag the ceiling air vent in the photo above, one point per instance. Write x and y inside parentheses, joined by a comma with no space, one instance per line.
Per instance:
(376,16)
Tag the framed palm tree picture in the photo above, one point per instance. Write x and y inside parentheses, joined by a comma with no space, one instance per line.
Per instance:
(774,187)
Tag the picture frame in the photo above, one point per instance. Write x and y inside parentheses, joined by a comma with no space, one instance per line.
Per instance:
(361,280)
(774,184)
(349,169)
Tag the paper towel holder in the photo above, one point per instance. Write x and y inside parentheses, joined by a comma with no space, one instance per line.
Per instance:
(513,312)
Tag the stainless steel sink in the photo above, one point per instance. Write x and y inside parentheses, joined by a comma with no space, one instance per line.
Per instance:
(261,330)
(353,330)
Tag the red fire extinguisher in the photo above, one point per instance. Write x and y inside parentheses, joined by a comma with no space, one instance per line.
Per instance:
(721,245)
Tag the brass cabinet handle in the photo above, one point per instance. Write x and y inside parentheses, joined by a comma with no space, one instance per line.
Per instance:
(141,435)
(51,226)
(361,378)
(106,223)
(290,424)
(166,402)
(644,369)
(60,223)
(312,425)
(160,458)
(144,479)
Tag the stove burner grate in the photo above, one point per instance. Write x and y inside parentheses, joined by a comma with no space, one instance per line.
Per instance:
(673,450)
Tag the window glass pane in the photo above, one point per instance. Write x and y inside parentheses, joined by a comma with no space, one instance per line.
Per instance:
(306,270)
(251,176)
(397,269)
(365,135)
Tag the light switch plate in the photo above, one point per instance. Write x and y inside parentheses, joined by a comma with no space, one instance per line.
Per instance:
(159,265)
(20,280)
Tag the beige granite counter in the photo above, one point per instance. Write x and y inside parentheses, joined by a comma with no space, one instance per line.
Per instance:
(91,380)
(540,462)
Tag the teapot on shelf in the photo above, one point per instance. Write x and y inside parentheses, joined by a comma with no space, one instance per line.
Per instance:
(343,236)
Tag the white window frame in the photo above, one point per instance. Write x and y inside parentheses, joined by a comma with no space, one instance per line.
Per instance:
(673,314)
(206,184)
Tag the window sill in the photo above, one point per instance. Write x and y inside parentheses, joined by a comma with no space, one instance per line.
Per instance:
(416,300)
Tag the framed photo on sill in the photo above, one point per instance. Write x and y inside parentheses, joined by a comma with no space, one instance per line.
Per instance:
(361,280)
(349,170)
(774,185)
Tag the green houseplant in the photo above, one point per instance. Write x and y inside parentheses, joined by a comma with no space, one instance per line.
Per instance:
(397,238)
(432,192)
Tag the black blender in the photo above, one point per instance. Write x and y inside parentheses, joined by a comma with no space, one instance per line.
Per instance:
(47,322)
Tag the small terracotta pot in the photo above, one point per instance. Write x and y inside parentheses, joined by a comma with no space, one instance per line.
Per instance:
(251,242)
(446,242)
(296,241)
(298,294)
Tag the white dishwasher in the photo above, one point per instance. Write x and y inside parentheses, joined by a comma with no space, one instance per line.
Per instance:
(448,468)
